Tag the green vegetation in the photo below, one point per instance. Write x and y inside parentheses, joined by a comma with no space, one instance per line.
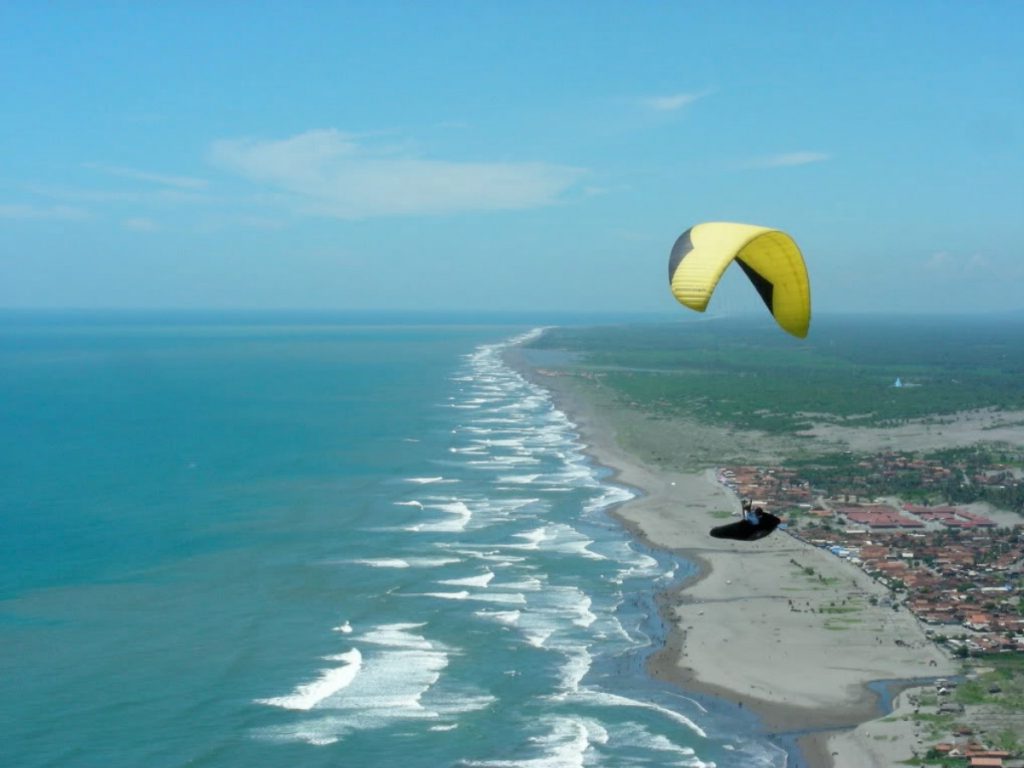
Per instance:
(935,758)
(1000,686)
(948,476)
(745,373)
(851,606)
(1011,741)
(938,725)
(850,470)
(972,462)
(838,617)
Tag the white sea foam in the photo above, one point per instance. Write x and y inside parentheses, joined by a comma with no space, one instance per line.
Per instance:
(512,505)
(393,680)
(553,615)
(508,618)
(583,617)
(556,537)
(671,753)
(504,598)
(386,684)
(614,700)
(456,524)
(575,669)
(566,746)
(459,701)
(397,636)
(488,554)
(454,507)
(533,538)
(484,597)
(406,562)
(513,437)
(389,688)
(461,595)
(517,480)
(530,584)
(614,494)
(538,637)
(635,564)
(308,695)
(505,463)
(470,581)
(383,562)
(514,442)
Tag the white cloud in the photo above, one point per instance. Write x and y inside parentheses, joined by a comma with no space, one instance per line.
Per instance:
(940,260)
(42,212)
(218,222)
(330,173)
(161,195)
(140,224)
(964,266)
(163,180)
(673,102)
(790,159)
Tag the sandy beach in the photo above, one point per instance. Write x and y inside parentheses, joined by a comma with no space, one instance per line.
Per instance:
(786,629)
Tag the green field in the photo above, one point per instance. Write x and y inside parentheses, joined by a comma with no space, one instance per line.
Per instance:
(747,374)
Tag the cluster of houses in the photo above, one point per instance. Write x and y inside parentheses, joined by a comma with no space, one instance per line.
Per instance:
(881,516)
(971,583)
(779,488)
(956,570)
(888,469)
(966,747)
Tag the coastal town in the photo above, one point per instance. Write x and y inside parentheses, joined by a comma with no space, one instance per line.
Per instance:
(957,567)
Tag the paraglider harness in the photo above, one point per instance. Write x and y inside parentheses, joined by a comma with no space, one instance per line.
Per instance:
(755,524)
(751,515)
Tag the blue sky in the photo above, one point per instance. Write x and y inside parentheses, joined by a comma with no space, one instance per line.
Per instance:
(505,155)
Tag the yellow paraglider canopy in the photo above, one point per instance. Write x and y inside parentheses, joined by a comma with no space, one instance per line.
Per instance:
(769,257)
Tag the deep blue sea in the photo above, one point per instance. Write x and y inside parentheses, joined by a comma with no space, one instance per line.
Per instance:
(260,542)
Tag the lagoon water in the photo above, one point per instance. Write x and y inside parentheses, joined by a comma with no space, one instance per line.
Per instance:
(318,544)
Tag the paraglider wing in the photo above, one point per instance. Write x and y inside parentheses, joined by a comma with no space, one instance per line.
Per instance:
(744,530)
(769,257)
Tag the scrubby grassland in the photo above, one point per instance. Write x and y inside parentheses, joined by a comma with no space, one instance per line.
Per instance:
(747,374)
(992,698)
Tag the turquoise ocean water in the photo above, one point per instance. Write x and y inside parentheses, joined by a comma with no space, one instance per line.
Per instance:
(253,542)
